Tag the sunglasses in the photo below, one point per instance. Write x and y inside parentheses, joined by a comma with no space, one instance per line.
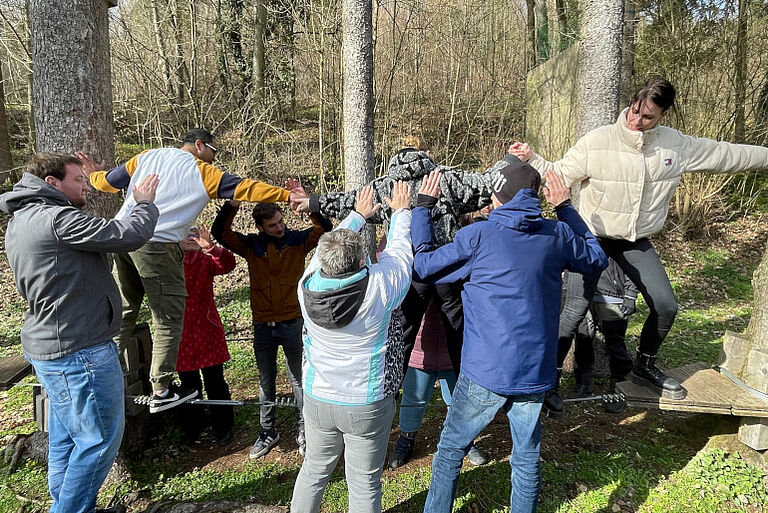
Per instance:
(213,149)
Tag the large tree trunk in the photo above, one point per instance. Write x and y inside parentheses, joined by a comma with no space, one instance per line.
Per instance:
(6,161)
(357,80)
(599,63)
(72,88)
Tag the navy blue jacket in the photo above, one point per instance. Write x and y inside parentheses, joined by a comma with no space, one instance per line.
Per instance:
(512,265)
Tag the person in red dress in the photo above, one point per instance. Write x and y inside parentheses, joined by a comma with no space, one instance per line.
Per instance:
(203,347)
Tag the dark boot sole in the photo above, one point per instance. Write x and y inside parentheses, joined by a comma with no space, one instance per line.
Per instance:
(554,414)
(675,395)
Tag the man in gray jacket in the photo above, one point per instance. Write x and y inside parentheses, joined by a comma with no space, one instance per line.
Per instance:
(58,255)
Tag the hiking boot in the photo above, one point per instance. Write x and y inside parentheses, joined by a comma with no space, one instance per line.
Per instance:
(476,456)
(553,403)
(580,391)
(224,439)
(403,451)
(267,439)
(173,396)
(646,373)
(117,508)
(301,441)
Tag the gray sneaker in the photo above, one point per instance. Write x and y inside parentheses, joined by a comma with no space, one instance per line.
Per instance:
(476,457)
(264,444)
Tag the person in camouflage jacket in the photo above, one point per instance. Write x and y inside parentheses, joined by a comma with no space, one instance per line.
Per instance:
(462,193)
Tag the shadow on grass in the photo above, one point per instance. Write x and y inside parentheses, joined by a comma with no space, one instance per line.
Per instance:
(591,461)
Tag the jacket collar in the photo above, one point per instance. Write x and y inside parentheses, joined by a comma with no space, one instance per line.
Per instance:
(635,140)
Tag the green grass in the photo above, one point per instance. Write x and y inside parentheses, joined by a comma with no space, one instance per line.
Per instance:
(650,462)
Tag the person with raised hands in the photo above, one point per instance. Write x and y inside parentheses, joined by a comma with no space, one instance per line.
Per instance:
(352,366)
(511,266)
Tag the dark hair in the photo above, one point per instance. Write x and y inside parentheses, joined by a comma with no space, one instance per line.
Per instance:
(264,211)
(198,134)
(50,164)
(657,89)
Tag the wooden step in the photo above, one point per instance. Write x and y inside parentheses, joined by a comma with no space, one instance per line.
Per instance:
(12,370)
(708,392)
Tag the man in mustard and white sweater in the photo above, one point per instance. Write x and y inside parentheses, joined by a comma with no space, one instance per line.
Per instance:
(188,181)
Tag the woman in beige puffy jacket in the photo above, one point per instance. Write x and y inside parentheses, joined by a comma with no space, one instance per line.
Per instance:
(625,174)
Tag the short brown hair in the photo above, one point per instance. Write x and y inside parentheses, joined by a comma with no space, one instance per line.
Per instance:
(262,211)
(50,164)
(657,89)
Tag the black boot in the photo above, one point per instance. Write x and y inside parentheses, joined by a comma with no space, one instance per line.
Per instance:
(646,373)
(583,384)
(553,403)
(616,403)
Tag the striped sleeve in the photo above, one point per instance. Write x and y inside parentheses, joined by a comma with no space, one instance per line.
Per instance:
(117,178)
(223,185)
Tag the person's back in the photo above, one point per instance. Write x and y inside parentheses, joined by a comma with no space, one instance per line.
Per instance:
(511,265)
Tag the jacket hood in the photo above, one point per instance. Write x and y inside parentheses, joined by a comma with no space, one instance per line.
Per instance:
(336,307)
(522,213)
(30,189)
(633,139)
(410,163)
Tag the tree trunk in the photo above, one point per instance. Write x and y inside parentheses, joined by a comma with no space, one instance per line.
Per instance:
(72,88)
(566,37)
(530,28)
(599,63)
(628,53)
(259,39)
(163,61)
(180,65)
(6,160)
(357,82)
(542,31)
(740,74)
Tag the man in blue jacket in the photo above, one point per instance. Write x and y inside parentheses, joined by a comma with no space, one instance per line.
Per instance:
(512,265)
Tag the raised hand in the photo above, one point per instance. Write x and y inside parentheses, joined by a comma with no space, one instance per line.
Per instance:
(146,189)
(555,190)
(89,165)
(204,241)
(430,185)
(364,202)
(520,150)
(401,196)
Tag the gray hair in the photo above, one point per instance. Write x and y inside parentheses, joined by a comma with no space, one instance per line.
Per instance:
(340,252)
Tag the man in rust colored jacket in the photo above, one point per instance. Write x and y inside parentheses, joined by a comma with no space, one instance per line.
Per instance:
(275,257)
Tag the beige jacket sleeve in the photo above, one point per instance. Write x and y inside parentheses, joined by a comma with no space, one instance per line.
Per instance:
(721,157)
(572,167)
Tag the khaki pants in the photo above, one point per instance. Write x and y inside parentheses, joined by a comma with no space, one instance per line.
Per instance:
(157,271)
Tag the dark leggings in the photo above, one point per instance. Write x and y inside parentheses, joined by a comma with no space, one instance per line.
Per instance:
(222,417)
(641,264)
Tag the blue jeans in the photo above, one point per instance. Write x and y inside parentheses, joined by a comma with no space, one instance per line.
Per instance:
(86,418)
(473,408)
(266,340)
(417,389)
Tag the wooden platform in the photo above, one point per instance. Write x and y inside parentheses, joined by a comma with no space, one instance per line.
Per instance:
(708,392)
(12,370)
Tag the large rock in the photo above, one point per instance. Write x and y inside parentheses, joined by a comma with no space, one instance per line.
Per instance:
(753,433)
(734,352)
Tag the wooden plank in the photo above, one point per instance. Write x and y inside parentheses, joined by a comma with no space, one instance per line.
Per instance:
(708,392)
(12,370)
